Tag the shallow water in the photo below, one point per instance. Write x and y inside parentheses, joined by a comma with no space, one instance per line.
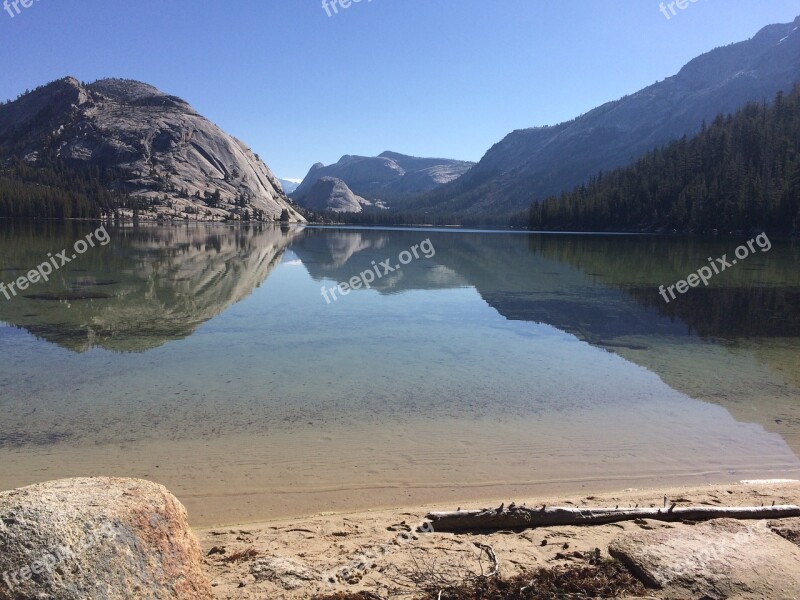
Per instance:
(206,358)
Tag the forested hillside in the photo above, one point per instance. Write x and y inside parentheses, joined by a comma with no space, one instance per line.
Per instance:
(51,190)
(740,173)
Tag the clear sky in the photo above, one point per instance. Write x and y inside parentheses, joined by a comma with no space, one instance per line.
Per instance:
(423,77)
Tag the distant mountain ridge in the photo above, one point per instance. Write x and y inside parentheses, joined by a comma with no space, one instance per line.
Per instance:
(531,164)
(386,176)
(289,185)
(146,144)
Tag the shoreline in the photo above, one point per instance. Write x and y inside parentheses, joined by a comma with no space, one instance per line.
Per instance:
(294,476)
(446,497)
(368,550)
(549,498)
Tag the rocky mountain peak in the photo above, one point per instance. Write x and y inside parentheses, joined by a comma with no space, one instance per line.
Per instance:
(387,175)
(161,150)
(332,194)
(532,164)
(134,93)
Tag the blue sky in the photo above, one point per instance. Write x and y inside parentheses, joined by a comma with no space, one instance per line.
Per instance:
(423,77)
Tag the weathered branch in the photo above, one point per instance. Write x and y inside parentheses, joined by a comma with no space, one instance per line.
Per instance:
(492,557)
(521,517)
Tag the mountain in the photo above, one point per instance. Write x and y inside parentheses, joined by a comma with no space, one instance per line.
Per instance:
(531,164)
(329,194)
(289,185)
(142,143)
(388,175)
(741,173)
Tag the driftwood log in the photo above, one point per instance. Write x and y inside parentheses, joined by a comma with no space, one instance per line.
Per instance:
(521,517)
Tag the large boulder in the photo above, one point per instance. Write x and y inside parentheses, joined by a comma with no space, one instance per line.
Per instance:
(719,559)
(98,538)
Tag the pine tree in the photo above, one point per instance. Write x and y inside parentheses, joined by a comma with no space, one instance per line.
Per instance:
(739,173)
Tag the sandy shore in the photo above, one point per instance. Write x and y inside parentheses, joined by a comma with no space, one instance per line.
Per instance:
(377,551)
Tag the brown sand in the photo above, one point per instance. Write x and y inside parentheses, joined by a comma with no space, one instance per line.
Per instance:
(378,550)
(246,478)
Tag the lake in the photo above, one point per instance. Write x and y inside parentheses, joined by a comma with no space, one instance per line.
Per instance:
(491,365)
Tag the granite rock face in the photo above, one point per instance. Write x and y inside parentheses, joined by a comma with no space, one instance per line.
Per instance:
(98,538)
(332,194)
(159,147)
(289,185)
(385,176)
(724,558)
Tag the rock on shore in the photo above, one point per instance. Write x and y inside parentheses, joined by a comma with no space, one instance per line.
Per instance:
(98,538)
(720,559)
